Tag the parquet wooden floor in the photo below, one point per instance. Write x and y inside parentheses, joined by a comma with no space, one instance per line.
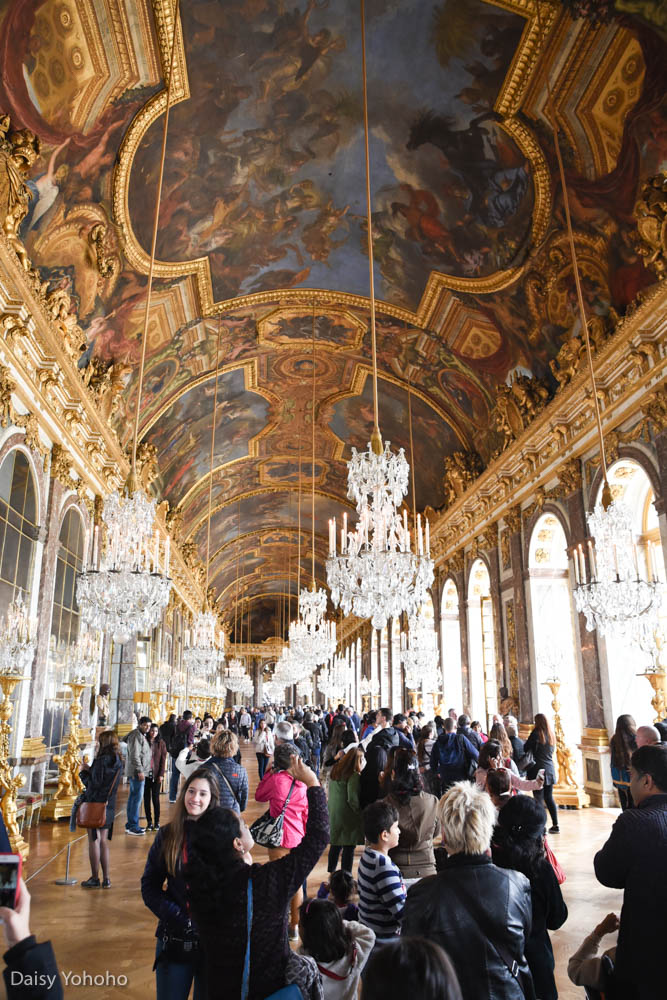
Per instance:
(112,931)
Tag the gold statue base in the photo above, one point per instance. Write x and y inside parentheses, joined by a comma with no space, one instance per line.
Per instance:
(57,809)
(571,797)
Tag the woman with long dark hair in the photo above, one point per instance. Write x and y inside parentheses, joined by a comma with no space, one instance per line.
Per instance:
(178,959)
(417,817)
(339,947)
(542,743)
(153,779)
(102,779)
(623,744)
(518,843)
(345,821)
(491,759)
(222,886)
(264,747)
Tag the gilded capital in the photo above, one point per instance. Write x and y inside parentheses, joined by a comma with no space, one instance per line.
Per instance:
(512,518)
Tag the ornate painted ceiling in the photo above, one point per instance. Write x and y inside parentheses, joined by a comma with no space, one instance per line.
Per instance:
(262,237)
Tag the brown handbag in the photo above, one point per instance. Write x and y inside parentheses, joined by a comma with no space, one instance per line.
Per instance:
(93,815)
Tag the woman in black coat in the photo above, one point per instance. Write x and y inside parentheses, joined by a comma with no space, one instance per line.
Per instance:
(102,780)
(176,970)
(519,844)
(542,743)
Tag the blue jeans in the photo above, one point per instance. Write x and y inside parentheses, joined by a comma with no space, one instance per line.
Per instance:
(174,979)
(173,781)
(261,764)
(133,803)
(316,760)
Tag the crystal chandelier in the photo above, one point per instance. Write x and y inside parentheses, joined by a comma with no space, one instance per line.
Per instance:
(203,654)
(614,596)
(304,688)
(85,656)
(377,575)
(312,638)
(126,588)
(273,692)
(420,655)
(18,638)
(334,679)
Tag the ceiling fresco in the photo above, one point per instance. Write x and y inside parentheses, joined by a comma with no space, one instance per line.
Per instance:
(266,172)
(262,236)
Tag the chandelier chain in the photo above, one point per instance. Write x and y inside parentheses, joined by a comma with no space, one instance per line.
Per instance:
(156,220)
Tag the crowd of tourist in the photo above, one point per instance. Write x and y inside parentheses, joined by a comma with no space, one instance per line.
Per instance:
(456,888)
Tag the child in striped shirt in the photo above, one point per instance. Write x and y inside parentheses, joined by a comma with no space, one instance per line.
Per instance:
(379,881)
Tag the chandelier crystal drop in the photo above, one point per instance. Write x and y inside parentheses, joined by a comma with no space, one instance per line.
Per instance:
(204,654)
(18,638)
(420,655)
(614,596)
(126,589)
(334,679)
(377,575)
(312,638)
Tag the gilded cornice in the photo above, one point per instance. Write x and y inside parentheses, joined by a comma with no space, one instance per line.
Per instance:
(42,375)
(565,429)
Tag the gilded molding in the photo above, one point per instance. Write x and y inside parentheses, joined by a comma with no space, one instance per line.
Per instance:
(564,430)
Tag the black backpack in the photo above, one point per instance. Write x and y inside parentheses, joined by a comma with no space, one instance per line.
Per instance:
(178,741)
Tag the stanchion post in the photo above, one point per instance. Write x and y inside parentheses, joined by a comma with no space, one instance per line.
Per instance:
(67,880)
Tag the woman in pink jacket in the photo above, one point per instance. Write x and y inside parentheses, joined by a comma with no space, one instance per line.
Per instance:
(274,788)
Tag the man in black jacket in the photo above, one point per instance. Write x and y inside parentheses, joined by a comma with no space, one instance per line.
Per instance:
(635,859)
(470,734)
(385,737)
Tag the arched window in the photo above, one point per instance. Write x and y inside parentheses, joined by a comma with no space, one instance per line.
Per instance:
(552,618)
(430,692)
(396,670)
(450,645)
(384,667)
(18,527)
(481,651)
(631,693)
(375,667)
(64,629)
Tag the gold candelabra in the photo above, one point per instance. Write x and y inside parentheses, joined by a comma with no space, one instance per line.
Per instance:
(658,681)
(567,791)
(10,783)
(155,706)
(69,763)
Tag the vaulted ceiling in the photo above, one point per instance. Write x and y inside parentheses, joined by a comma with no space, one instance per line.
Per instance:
(261,253)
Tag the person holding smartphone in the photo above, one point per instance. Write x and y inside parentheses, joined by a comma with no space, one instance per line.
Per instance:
(542,743)
(27,960)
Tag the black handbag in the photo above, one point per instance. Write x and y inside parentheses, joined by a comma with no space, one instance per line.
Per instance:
(181,947)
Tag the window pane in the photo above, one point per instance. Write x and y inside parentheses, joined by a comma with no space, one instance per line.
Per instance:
(6,470)
(10,555)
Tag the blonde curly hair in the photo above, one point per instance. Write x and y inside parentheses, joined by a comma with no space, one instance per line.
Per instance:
(467,818)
